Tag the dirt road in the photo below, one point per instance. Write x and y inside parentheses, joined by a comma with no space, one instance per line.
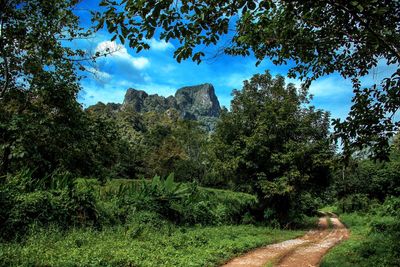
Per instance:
(306,251)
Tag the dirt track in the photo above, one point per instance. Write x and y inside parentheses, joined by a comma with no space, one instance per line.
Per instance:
(306,251)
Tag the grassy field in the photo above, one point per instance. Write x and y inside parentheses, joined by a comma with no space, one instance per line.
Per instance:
(130,245)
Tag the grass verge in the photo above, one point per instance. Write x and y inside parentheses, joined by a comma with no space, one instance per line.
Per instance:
(372,242)
(165,245)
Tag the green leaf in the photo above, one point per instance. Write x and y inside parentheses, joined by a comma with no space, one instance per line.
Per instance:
(169,182)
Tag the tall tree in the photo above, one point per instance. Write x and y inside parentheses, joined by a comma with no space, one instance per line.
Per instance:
(274,144)
(320,37)
(41,123)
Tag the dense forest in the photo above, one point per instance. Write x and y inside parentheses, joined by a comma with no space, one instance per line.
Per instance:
(169,185)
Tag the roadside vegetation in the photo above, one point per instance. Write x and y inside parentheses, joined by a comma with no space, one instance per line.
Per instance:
(146,241)
(367,203)
(374,239)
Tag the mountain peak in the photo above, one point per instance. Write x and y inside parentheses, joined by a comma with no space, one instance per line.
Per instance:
(197,102)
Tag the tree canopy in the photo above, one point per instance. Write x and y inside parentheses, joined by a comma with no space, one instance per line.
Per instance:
(273,144)
(40,120)
(320,37)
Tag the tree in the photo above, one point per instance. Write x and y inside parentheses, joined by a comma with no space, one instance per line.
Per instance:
(272,144)
(41,123)
(173,145)
(320,37)
(376,181)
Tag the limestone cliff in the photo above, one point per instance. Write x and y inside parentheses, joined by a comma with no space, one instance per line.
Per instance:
(197,102)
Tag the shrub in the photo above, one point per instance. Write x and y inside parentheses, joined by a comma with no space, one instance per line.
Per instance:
(384,231)
(182,203)
(375,238)
(25,201)
(354,202)
(391,206)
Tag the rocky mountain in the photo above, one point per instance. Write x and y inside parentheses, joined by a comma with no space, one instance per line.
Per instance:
(197,102)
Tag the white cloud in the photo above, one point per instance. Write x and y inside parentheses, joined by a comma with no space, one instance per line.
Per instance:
(123,83)
(334,85)
(120,52)
(160,45)
(296,82)
(93,93)
(140,62)
(98,73)
(147,78)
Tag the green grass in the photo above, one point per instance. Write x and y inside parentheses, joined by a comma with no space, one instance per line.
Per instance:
(128,230)
(330,224)
(365,246)
(332,208)
(346,253)
(166,245)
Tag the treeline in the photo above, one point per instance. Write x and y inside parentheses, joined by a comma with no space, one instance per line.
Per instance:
(362,184)
(46,137)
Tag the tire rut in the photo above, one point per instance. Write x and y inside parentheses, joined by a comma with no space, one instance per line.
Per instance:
(307,250)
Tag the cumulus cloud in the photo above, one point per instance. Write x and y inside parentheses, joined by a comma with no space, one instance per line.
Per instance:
(160,45)
(119,52)
(140,62)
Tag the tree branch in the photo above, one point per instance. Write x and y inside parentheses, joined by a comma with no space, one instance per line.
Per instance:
(91,58)
(4,56)
(393,50)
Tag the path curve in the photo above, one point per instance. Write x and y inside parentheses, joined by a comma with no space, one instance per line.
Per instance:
(306,251)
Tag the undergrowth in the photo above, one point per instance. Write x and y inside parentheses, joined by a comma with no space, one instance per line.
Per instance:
(374,238)
(141,242)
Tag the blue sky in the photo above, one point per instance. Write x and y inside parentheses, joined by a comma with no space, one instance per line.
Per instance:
(157,72)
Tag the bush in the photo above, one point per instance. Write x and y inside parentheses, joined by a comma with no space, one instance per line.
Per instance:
(353,203)
(382,246)
(182,203)
(64,201)
(391,206)
(67,203)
